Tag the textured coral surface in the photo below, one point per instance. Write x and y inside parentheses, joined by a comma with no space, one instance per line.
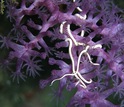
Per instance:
(81,42)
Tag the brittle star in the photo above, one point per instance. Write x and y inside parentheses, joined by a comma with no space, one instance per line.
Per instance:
(71,40)
(76,73)
(80,17)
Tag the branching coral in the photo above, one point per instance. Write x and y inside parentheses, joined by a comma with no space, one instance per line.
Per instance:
(83,38)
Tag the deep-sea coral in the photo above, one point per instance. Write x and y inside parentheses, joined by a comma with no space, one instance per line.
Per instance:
(83,38)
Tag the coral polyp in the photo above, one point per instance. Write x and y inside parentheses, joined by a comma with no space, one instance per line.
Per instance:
(81,42)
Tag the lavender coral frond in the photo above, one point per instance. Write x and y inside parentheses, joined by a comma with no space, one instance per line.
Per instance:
(81,40)
(32,67)
(18,74)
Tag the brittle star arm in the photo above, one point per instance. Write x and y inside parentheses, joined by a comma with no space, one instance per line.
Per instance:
(72,59)
(79,58)
(77,74)
(82,84)
(73,68)
(62,26)
(70,34)
(75,71)
(68,30)
(81,17)
(78,8)
(73,65)
(61,78)
(73,39)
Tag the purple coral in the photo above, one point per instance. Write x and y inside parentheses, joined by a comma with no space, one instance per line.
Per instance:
(84,38)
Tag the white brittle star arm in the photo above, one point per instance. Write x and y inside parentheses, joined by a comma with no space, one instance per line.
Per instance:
(78,8)
(96,46)
(79,58)
(71,36)
(82,84)
(73,39)
(62,26)
(61,78)
(75,72)
(81,17)
(73,65)
(70,53)
(90,59)
(69,32)
(93,47)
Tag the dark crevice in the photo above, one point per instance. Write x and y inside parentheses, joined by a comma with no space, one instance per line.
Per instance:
(94,58)
(73,27)
(99,23)
(97,38)
(63,8)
